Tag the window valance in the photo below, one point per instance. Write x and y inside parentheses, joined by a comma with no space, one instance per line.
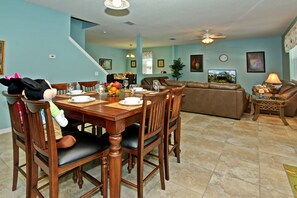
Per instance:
(291,38)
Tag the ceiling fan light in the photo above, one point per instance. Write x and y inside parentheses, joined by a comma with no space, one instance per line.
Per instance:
(207,40)
(130,55)
(117,4)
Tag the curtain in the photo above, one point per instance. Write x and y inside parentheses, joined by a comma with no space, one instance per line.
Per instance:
(291,38)
(293,63)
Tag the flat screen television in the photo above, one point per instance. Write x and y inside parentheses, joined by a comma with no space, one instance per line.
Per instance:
(222,75)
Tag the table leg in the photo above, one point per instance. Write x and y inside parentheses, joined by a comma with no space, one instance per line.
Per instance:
(115,165)
(282,115)
(257,112)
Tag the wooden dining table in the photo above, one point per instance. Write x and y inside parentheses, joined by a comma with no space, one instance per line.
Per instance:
(105,112)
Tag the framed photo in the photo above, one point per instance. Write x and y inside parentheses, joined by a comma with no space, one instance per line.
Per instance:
(160,62)
(133,63)
(196,63)
(105,63)
(2,45)
(255,62)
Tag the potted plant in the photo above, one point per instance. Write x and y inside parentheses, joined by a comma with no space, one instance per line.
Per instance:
(176,68)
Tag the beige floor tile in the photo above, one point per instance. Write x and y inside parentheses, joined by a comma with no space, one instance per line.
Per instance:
(220,157)
(230,187)
(172,191)
(199,157)
(190,176)
(277,148)
(275,180)
(275,161)
(266,193)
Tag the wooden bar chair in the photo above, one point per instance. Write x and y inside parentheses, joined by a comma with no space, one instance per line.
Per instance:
(55,162)
(90,86)
(62,88)
(172,126)
(20,138)
(140,139)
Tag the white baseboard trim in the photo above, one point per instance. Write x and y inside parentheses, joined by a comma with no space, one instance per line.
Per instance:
(7,130)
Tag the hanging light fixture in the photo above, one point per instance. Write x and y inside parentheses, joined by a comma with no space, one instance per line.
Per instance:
(130,55)
(117,4)
(207,41)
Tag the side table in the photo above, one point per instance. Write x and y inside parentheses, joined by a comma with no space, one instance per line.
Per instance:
(268,104)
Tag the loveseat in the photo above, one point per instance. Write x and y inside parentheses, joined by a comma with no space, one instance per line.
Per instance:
(287,91)
(219,99)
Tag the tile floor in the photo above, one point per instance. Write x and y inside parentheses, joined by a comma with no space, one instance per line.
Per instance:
(220,158)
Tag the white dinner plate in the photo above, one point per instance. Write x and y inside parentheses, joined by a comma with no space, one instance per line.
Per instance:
(90,99)
(140,91)
(123,102)
(76,94)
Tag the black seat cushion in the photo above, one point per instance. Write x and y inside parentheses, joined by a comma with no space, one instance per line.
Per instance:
(171,124)
(130,137)
(86,145)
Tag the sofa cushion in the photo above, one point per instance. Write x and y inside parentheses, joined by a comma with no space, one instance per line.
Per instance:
(230,86)
(198,84)
(175,83)
(289,93)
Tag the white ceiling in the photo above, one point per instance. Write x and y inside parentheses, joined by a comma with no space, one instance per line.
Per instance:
(159,20)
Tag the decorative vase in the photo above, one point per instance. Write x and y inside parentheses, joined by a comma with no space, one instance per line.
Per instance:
(261,95)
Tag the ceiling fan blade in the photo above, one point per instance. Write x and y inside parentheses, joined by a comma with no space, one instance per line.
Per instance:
(217,36)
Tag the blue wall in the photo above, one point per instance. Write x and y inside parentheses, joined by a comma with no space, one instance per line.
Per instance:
(77,32)
(32,33)
(118,56)
(236,51)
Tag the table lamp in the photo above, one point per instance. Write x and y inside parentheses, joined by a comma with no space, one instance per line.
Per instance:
(272,81)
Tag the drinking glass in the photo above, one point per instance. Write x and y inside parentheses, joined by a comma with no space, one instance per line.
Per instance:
(99,89)
(131,87)
(125,83)
(70,87)
(156,85)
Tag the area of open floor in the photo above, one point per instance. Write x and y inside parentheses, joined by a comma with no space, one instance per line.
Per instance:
(220,158)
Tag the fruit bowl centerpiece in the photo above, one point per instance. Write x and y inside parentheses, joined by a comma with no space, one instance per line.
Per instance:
(112,89)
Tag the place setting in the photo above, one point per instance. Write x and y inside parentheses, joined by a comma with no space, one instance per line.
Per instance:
(81,99)
(76,92)
(131,101)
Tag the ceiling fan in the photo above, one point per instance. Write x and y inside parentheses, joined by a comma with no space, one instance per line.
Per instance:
(207,37)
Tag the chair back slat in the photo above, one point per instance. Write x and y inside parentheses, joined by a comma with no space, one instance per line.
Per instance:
(153,115)
(88,86)
(174,104)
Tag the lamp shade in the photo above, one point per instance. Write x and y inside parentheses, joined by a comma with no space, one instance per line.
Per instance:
(273,78)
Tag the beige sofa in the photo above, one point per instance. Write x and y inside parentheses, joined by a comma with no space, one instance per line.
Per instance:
(219,99)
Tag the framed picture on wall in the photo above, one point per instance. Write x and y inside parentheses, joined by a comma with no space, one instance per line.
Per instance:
(255,62)
(133,63)
(2,44)
(160,62)
(196,63)
(105,63)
